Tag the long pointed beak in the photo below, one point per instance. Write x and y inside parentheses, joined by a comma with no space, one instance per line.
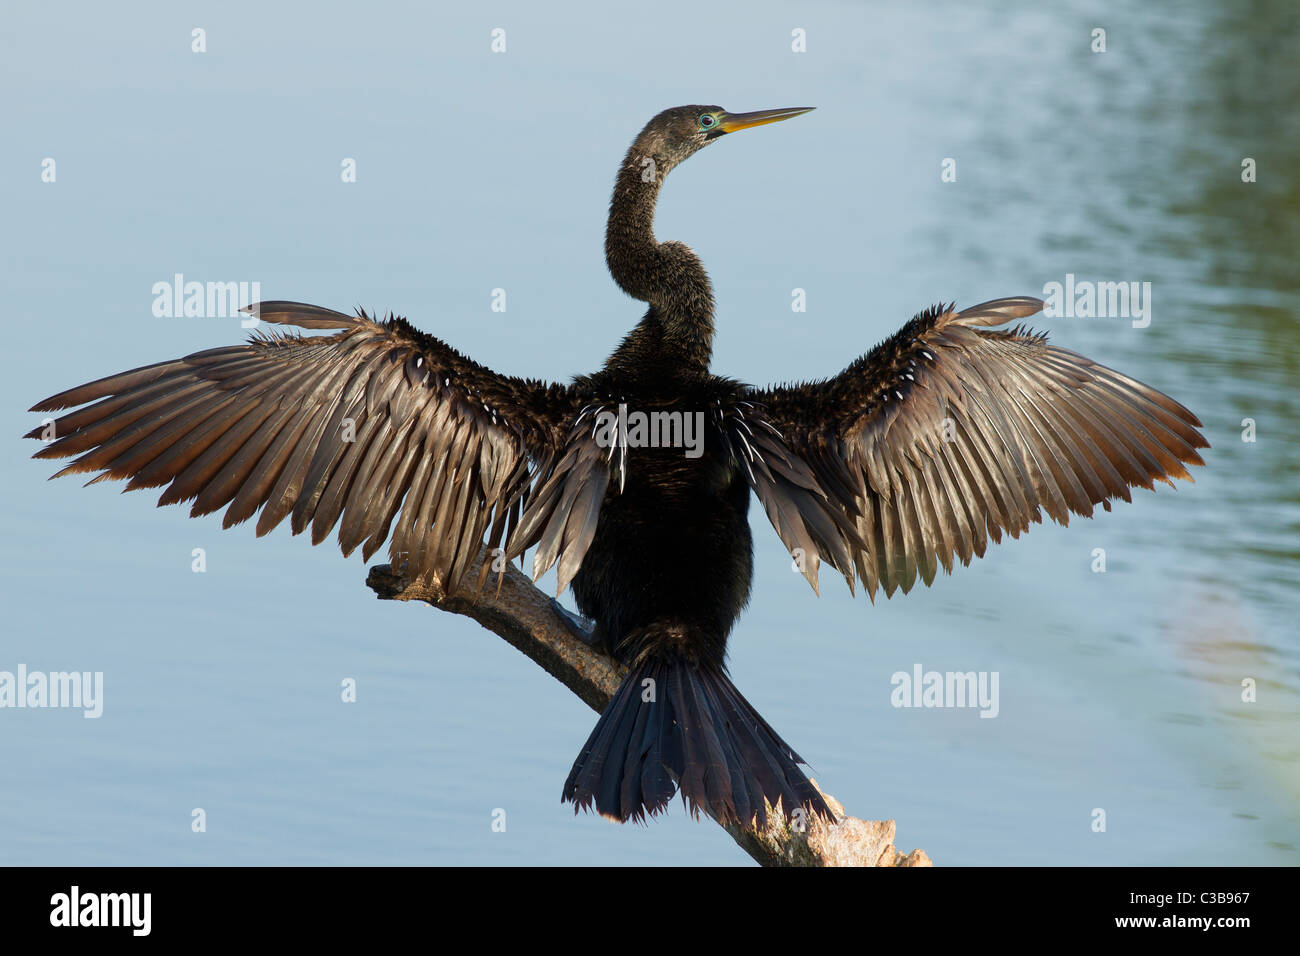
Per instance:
(737,121)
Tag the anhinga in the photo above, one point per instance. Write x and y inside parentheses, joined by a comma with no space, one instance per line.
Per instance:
(948,434)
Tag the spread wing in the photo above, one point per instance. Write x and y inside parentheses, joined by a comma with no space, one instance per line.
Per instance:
(953,432)
(377,428)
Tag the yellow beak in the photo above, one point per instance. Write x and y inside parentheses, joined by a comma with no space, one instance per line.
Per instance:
(731,122)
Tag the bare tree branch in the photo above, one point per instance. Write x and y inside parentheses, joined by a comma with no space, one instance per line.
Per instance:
(514,609)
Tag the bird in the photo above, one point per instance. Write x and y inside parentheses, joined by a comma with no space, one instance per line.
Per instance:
(957,430)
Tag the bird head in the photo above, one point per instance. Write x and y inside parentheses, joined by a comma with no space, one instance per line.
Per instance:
(678,133)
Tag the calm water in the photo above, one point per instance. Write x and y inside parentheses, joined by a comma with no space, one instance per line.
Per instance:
(1119,691)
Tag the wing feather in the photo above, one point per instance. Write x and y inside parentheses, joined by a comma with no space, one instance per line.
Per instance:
(953,432)
(374,426)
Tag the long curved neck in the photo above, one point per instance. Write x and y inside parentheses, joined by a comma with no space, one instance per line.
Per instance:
(678,328)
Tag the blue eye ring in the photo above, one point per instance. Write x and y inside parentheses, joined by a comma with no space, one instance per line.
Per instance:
(708,121)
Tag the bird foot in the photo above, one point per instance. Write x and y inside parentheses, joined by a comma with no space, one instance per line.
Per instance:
(580,628)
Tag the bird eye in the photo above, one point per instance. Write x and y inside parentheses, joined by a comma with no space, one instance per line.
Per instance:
(708,121)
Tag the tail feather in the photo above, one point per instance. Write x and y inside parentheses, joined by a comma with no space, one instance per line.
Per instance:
(643,768)
(761,763)
(675,726)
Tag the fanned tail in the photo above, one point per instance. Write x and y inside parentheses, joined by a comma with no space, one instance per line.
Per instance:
(675,725)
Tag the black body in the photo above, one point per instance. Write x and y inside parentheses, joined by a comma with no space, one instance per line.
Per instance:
(669,569)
